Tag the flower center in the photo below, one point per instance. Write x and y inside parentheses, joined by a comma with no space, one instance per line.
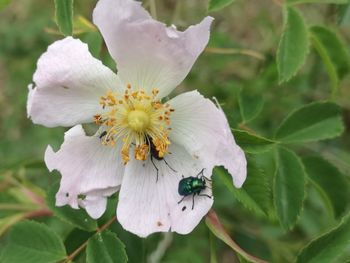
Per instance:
(136,119)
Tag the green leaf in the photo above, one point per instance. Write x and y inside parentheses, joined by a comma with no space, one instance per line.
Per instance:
(83,25)
(294,2)
(64,16)
(94,42)
(215,5)
(78,218)
(32,242)
(333,53)
(335,48)
(4,3)
(313,122)
(105,247)
(289,187)
(255,194)
(343,13)
(328,247)
(7,222)
(215,226)
(331,184)
(250,105)
(293,46)
(252,143)
(34,164)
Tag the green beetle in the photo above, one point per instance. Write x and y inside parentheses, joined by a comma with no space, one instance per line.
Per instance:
(193,186)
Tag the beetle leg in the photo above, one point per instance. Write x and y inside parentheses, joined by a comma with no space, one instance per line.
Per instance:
(155,168)
(104,133)
(181,200)
(169,166)
(206,178)
(193,200)
(205,195)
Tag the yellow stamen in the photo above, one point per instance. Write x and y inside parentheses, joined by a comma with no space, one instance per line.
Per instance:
(125,154)
(161,145)
(137,119)
(141,152)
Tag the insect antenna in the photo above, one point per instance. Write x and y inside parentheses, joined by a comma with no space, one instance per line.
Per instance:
(201,173)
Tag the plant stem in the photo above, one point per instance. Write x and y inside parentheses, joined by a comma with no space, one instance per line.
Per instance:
(82,246)
(278,2)
(153,8)
(220,232)
(38,213)
(235,51)
(17,207)
(162,247)
(243,126)
(213,258)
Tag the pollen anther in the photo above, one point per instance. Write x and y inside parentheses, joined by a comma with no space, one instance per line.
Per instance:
(134,118)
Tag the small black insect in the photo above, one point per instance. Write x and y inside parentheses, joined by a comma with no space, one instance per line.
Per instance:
(104,133)
(193,186)
(155,154)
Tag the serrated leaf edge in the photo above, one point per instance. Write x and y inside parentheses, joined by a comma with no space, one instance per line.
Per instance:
(209,9)
(303,107)
(343,220)
(42,225)
(290,227)
(285,10)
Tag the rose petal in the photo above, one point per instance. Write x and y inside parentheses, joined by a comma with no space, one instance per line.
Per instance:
(95,206)
(69,82)
(147,205)
(202,128)
(87,168)
(148,54)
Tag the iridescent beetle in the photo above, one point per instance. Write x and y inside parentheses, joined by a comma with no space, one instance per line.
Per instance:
(193,186)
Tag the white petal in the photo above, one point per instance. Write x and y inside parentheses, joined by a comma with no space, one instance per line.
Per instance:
(203,130)
(69,82)
(148,54)
(95,206)
(87,168)
(147,206)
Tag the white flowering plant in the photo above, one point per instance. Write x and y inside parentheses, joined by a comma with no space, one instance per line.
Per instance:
(138,166)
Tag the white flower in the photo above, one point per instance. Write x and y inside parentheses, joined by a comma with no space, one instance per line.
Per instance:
(188,133)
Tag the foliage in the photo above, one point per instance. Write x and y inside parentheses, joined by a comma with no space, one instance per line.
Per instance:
(105,247)
(294,45)
(33,242)
(282,79)
(64,16)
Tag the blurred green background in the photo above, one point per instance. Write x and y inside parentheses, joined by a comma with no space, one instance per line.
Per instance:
(251,27)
